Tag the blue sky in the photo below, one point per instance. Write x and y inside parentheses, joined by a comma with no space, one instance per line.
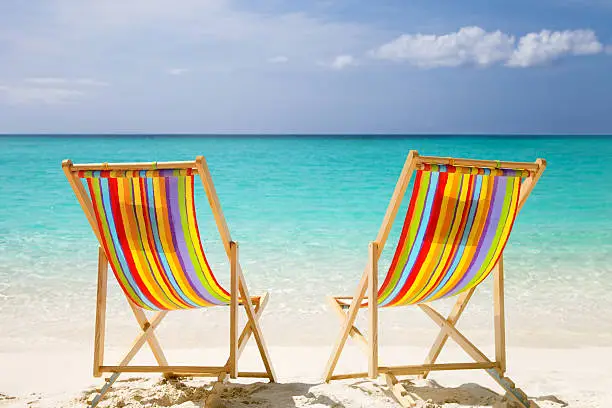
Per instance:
(336,66)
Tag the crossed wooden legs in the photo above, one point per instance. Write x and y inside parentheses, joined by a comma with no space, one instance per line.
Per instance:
(148,336)
(495,369)
(254,309)
(452,319)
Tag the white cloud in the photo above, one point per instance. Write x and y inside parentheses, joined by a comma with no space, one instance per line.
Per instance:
(279,59)
(178,71)
(546,46)
(47,81)
(132,42)
(214,33)
(57,81)
(24,95)
(47,90)
(469,45)
(343,61)
(89,82)
(475,46)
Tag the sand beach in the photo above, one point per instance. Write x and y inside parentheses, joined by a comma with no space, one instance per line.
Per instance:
(554,378)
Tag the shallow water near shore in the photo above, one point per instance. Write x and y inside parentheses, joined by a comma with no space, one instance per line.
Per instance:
(303,210)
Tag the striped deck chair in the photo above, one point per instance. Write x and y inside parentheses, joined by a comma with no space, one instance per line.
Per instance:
(457,224)
(143,215)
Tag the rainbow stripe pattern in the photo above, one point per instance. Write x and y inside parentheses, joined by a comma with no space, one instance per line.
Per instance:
(456,227)
(150,236)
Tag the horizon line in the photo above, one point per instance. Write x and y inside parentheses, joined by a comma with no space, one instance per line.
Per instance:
(317,134)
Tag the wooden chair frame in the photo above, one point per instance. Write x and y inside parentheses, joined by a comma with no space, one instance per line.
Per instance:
(239,293)
(367,290)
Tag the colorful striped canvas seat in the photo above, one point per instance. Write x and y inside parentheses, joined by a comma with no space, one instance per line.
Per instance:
(151,238)
(144,218)
(456,227)
(458,221)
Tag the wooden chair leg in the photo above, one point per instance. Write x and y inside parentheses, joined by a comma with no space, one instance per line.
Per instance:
(105,388)
(346,328)
(453,317)
(405,399)
(373,312)
(233,355)
(452,331)
(100,327)
(247,332)
(158,353)
(515,393)
(499,319)
(256,328)
(146,336)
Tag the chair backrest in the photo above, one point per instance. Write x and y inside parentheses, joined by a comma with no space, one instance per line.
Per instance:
(146,224)
(457,224)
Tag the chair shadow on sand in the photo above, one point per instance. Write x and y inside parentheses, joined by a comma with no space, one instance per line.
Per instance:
(186,393)
(430,394)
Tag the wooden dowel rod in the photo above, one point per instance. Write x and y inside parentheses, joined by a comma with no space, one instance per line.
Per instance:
(253,374)
(134,166)
(342,301)
(212,370)
(348,376)
(417,369)
(477,163)
(254,299)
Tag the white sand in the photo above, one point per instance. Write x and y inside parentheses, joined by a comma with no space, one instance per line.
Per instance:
(578,378)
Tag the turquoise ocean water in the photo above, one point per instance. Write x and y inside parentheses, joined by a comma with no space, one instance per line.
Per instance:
(304,210)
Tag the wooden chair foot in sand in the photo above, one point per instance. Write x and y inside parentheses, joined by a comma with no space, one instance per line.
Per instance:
(143,215)
(457,224)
